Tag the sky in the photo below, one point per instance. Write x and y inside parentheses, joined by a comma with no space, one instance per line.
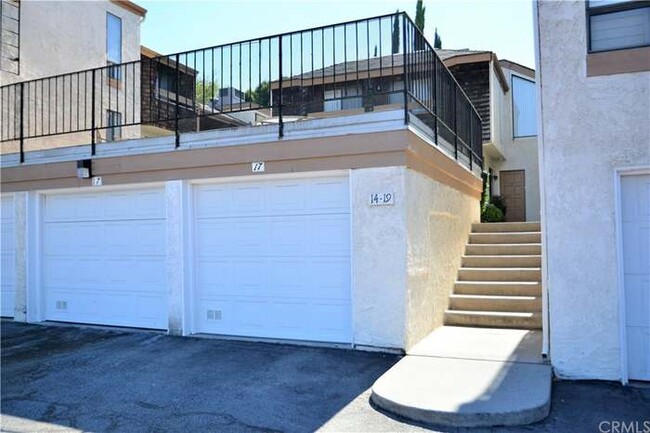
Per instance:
(504,26)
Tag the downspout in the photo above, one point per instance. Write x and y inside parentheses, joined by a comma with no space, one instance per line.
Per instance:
(542,183)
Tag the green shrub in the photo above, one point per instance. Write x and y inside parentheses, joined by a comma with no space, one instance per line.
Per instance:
(499,202)
(491,214)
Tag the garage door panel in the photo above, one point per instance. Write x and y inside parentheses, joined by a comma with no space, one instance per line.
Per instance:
(273,259)
(635,207)
(7,257)
(273,318)
(637,294)
(106,264)
(638,337)
(330,196)
(115,205)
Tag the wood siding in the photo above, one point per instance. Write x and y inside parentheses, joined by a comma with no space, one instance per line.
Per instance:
(474,78)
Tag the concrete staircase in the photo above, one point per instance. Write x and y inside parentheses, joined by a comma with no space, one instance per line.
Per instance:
(499,282)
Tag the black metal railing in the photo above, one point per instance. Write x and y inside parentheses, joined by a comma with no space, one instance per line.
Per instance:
(359,66)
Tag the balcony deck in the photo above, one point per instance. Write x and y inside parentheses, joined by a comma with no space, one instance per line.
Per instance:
(320,82)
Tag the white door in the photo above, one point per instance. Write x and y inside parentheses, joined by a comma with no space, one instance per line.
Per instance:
(8,269)
(103,259)
(635,194)
(272,259)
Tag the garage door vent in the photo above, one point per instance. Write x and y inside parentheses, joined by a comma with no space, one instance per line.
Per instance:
(214,314)
(61,305)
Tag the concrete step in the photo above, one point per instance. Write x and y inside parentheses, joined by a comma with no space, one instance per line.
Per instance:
(462,392)
(518,304)
(506,238)
(494,319)
(503,288)
(503,249)
(502,261)
(500,274)
(506,227)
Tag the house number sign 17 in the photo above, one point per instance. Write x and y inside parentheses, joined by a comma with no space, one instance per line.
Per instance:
(382,199)
(257,167)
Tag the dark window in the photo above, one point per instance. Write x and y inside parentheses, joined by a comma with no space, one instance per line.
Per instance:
(524,107)
(167,80)
(618,24)
(114,130)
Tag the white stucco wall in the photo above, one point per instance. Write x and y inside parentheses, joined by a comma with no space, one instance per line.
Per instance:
(378,258)
(591,126)
(57,37)
(438,220)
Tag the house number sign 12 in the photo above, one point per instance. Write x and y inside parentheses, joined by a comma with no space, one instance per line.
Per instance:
(382,199)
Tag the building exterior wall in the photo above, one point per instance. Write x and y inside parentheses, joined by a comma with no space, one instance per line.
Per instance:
(57,37)
(379,258)
(520,153)
(591,126)
(404,256)
(438,221)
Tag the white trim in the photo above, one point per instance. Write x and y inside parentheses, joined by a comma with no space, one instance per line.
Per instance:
(188,257)
(546,322)
(351,124)
(352,285)
(98,189)
(35,298)
(618,212)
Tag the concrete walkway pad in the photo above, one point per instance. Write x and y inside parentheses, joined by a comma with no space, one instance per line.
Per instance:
(491,344)
(469,377)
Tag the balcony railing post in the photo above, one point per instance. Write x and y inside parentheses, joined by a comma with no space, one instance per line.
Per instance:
(435,97)
(455,124)
(92,115)
(177,137)
(405,62)
(469,138)
(22,132)
(280,98)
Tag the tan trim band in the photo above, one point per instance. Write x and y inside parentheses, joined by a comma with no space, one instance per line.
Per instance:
(381,149)
(618,62)
(131,7)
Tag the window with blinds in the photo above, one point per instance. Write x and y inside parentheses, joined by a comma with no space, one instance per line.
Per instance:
(615,25)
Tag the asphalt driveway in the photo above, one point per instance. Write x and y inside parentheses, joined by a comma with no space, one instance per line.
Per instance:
(64,378)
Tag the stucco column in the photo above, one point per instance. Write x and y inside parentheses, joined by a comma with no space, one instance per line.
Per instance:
(20,258)
(378,258)
(175,199)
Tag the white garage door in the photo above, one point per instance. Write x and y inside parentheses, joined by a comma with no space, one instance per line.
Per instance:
(104,258)
(8,277)
(272,259)
(635,192)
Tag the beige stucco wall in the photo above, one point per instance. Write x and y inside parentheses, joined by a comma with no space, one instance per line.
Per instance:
(61,37)
(378,258)
(405,256)
(591,126)
(519,153)
(57,37)
(438,220)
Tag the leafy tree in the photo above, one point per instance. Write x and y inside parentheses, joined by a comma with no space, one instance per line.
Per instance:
(437,42)
(261,95)
(204,94)
(395,34)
